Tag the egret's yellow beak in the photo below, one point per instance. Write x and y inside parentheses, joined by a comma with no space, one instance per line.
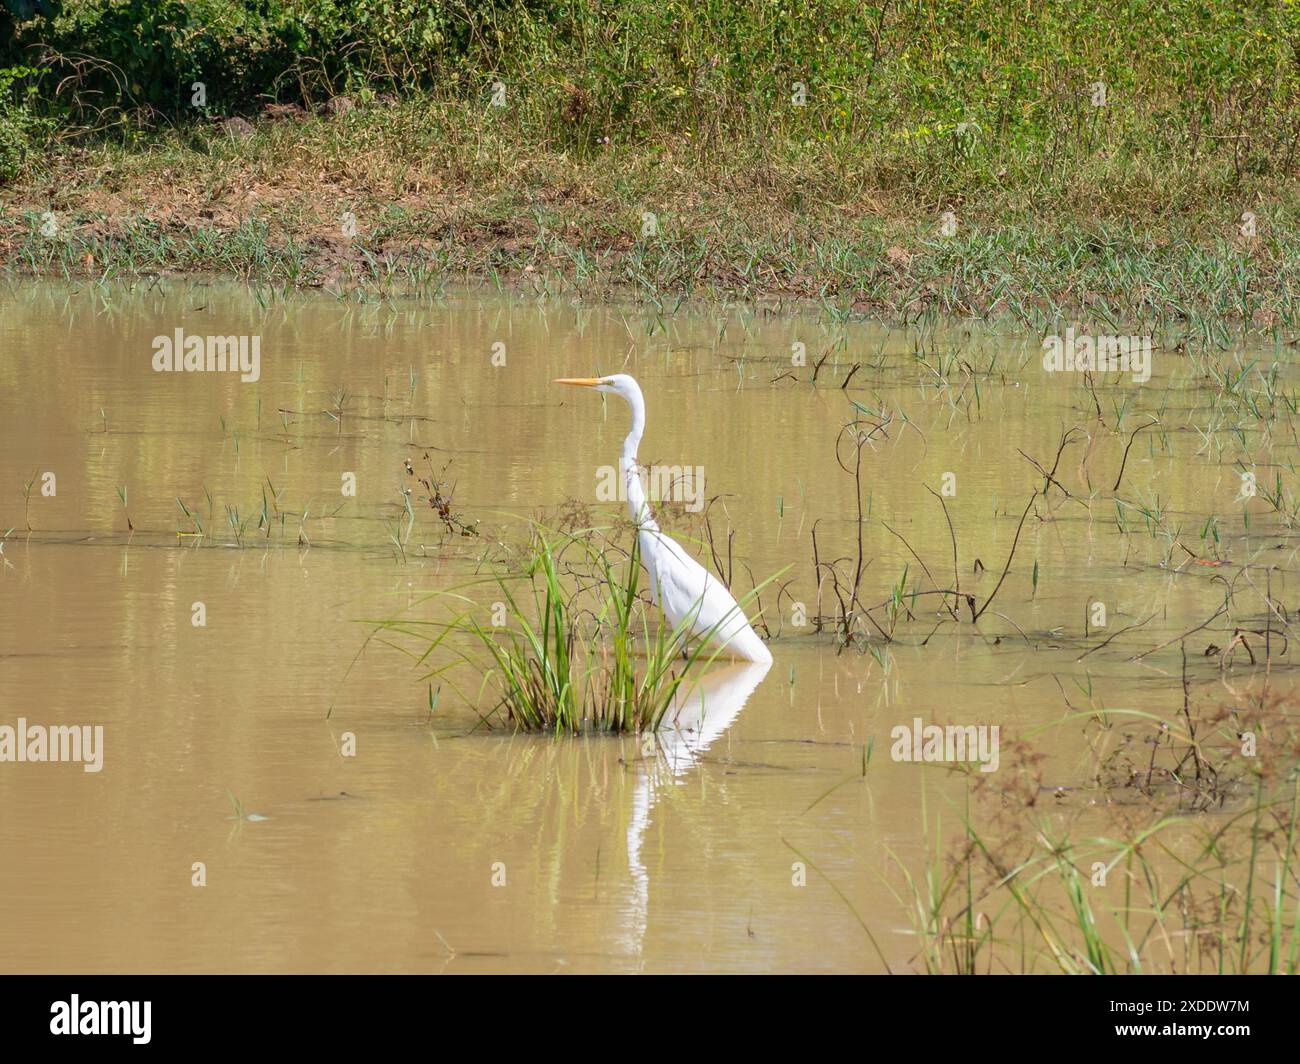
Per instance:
(580,382)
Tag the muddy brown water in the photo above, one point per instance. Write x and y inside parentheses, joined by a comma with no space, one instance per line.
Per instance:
(441,846)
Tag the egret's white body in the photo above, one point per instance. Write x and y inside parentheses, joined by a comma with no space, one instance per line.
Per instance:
(679,585)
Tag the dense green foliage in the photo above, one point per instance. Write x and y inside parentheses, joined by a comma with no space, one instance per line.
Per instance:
(955,77)
(1009,67)
(763,132)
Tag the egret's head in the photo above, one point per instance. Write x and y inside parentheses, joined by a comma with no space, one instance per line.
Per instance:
(618,383)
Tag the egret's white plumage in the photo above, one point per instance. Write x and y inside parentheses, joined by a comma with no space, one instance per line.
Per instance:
(679,585)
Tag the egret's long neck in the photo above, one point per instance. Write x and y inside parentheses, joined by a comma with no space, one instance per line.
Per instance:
(633,441)
(637,507)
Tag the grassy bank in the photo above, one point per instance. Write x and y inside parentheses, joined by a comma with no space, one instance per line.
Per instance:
(1094,163)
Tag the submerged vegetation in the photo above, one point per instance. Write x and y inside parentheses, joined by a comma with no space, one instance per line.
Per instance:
(1169,843)
(1163,891)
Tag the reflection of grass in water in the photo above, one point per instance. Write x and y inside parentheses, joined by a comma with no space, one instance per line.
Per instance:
(572,644)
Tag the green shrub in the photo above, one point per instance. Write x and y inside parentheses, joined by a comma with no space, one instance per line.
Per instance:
(149,53)
(138,54)
(22,131)
(1184,79)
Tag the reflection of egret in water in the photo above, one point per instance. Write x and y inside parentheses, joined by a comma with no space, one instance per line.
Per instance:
(699,715)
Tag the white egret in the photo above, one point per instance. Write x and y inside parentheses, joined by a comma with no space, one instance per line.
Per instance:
(679,585)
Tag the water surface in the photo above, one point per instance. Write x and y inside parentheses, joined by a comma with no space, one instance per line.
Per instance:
(386,861)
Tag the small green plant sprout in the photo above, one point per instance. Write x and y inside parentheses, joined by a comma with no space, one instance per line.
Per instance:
(193,518)
(27,500)
(121,494)
(241,814)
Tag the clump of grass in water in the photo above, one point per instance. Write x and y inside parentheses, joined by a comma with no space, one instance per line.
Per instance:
(577,648)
